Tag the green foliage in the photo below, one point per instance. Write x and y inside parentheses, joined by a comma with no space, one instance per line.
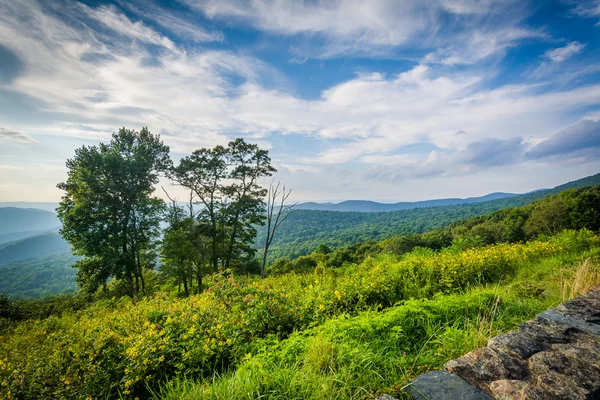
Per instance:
(305,230)
(38,277)
(569,209)
(184,250)
(128,347)
(224,181)
(107,211)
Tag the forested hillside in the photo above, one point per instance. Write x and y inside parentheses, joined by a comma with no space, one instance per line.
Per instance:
(41,245)
(26,219)
(373,206)
(335,322)
(38,277)
(14,236)
(305,229)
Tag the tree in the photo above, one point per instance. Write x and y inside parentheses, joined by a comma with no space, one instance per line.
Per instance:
(548,216)
(246,209)
(225,181)
(108,213)
(203,173)
(184,246)
(277,213)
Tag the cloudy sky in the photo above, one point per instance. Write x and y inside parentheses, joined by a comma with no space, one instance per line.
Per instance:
(381,99)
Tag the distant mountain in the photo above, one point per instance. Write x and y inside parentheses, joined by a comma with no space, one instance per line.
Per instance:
(373,206)
(42,245)
(13,236)
(304,230)
(48,206)
(13,219)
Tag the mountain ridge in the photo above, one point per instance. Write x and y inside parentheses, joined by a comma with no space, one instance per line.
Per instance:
(374,206)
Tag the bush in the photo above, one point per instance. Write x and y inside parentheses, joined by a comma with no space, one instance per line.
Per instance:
(128,346)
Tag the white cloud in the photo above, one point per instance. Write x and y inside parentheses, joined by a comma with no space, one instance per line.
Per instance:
(175,24)
(373,27)
(564,53)
(92,83)
(588,8)
(479,45)
(7,135)
(112,19)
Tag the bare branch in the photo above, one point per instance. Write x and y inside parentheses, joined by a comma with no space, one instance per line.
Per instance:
(277,213)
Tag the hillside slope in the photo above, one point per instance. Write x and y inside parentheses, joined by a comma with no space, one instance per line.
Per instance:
(304,230)
(15,219)
(14,236)
(41,245)
(373,206)
(38,277)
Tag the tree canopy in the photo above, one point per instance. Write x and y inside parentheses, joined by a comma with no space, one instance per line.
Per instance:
(108,212)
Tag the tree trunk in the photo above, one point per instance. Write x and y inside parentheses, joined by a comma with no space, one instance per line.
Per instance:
(230,244)
(264,262)
(185,285)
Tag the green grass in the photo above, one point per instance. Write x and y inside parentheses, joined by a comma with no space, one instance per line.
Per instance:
(344,333)
(379,352)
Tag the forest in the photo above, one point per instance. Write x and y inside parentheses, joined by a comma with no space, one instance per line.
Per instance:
(305,230)
(195,312)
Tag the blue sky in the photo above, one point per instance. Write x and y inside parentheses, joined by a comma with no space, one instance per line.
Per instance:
(382,99)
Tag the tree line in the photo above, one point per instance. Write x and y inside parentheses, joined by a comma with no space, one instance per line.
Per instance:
(572,209)
(112,218)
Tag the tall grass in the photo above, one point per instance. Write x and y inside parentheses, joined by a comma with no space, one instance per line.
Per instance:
(572,283)
(380,351)
(344,332)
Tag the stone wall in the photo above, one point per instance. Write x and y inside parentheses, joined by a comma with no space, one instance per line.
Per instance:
(554,356)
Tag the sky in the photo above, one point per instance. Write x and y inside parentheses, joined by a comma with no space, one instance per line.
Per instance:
(389,100)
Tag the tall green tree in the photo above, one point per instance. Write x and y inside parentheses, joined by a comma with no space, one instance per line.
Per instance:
(245,209)
(185,246)
(108,212)
(225,181)
(203,172)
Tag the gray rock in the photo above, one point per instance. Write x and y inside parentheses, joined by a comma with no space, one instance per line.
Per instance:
(516,344)
(570,322)
(517,390)
(556,355)
(485,365)
(438,385)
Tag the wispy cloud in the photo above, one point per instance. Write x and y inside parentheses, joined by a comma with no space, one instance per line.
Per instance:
(375,27)
(7,135)
(175,24)
(587,8)
(112,19)
(564,53)
(92,69)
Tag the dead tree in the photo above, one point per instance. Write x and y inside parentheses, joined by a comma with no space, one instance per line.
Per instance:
(277,213)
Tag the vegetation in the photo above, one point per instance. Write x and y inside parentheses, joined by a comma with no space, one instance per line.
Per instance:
(107,212)
(243,329)
(38,277)
(305,230)
(346,321)
(40,245)
(224,181)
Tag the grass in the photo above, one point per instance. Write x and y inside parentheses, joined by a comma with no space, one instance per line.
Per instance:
(343,333)
(379,352)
